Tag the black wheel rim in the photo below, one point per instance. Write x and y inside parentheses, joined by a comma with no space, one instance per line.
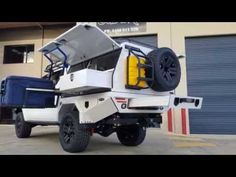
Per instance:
(168,68)
(68,130)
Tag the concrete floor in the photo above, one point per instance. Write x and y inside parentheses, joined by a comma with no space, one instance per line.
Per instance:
(44,140)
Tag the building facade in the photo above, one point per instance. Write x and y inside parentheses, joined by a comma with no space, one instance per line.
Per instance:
(208,66)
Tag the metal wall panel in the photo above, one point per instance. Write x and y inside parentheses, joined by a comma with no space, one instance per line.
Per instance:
(211,74)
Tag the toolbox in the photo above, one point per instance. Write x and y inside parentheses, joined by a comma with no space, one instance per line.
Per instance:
(19,91)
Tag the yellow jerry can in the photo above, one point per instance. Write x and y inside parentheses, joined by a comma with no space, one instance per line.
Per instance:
(133,72)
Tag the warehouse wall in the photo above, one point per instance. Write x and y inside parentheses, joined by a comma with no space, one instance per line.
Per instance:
(20,36)
(26,36)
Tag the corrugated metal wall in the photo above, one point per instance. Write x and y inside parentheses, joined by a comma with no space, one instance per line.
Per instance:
(211,74)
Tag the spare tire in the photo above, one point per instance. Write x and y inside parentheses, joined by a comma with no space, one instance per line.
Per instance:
(167,71)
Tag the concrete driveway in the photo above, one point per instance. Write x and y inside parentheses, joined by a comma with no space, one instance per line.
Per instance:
(44,140)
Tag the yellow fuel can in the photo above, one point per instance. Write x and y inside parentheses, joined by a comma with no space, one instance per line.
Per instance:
(133,70)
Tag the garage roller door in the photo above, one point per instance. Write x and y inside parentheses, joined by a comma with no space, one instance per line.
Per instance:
(211,73)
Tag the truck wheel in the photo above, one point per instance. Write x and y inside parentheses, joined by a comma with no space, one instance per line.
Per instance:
(131,135)
(22,128)
(73,137)
(167,71)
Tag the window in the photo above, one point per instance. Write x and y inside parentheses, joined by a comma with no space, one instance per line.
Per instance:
(101,63)
(18,54)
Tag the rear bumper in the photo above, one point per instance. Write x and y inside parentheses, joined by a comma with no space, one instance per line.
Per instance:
(157,103)
(171,101)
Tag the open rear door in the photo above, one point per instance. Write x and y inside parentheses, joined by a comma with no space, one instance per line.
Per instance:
(79,44)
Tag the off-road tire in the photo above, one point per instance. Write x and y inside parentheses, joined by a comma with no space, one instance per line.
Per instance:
(131,135)
(73,137)
(167,71)
(22,128)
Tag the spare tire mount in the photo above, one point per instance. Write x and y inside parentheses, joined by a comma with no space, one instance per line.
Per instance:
(167,71)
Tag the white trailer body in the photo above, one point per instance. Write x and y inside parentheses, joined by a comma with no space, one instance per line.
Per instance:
(94,87)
